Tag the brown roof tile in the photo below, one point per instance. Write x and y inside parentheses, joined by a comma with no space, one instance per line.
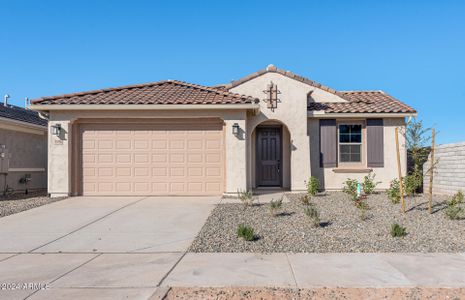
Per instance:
(162,92)
(273,69)
(363,102)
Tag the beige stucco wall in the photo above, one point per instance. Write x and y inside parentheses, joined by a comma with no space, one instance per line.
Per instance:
(60,150)
(334,181)
(291,112)
(27,148)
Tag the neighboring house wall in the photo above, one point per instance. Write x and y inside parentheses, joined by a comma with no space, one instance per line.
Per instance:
(449,172)
(61,151)
(27,149)
(334,178)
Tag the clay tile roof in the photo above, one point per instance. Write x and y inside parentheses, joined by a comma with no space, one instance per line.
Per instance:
(363,102)
(21,114)
(273,69)
(162,92)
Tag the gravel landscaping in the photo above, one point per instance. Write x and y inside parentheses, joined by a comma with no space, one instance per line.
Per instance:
(342,229)
(16,203)
(316,293)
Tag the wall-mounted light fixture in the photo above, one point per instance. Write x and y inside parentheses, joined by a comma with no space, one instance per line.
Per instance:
(56,129)
(235,129)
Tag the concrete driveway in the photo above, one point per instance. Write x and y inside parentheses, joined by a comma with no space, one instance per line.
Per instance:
(110,247)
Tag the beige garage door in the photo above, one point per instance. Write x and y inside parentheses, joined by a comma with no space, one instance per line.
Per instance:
(161,158)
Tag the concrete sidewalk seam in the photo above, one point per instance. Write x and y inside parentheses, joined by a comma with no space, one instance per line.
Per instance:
(6,258)
(171,269)
(64,274)
(88,224)
(292,271)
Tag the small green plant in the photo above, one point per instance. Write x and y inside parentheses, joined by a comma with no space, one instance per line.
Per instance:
(369,184)
(305,199)
(246,197)
(393,192)
(246,232)
(275,206)
(313,185)
(411,184)
(363,213)
(350,188)
(398,230)
(455,212)
(456,199)
(311,212)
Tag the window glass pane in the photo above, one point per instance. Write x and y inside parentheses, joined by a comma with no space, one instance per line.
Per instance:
(355,157)
(356,138)
(350,153)
(355,149)
(344,129)
(345,149)
(344,138)
(345,157)
(350,133)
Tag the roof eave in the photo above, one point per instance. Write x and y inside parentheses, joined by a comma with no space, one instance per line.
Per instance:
(324,115)
(51,107)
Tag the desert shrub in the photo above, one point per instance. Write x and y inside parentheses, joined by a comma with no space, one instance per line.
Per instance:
(369,183)
(393,192)
(398,230)
(313,185)
(361,204)
(311,212)
(275,205)
(246,197)
(305,199)
(456,199)
(246,232)
(455,212)
(411,184)
(350,188)
(363,213)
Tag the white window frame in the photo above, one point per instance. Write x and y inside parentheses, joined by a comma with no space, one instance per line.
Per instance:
(361,144)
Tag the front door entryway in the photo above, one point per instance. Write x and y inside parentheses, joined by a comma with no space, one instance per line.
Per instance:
(268,156)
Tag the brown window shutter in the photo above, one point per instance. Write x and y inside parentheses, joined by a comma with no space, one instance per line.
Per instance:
(328,143)
(375,143)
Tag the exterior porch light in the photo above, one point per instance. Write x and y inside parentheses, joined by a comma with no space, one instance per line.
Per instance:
(235,129)
(56,129)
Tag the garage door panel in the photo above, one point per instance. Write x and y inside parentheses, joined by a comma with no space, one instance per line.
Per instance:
(161,159)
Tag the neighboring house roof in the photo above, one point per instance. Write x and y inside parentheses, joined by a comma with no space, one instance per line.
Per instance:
(162,92)
(363,102)
(21,114)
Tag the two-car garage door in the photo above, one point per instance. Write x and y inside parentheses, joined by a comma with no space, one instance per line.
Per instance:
(159,158)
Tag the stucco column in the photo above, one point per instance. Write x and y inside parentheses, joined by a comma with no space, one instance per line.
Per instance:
(59,153)
(236,165)
(300,158)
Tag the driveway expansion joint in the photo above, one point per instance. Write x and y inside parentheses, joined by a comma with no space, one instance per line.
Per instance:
(88,224)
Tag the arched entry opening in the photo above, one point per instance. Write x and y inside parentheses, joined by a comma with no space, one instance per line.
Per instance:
(271,155)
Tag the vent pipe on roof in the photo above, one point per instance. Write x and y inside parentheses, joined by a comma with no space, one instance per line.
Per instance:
(5,100)
(27,102)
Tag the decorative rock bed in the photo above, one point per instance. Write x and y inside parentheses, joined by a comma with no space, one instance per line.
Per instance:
(16,203)
(342,229)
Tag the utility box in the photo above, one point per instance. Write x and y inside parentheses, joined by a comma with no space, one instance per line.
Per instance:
(4,160)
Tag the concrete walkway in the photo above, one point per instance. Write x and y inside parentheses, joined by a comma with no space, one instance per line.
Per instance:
(359,270)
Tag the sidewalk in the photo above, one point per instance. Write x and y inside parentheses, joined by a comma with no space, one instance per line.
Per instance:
(318,270)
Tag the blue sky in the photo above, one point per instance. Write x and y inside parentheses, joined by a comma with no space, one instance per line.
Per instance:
(414,50)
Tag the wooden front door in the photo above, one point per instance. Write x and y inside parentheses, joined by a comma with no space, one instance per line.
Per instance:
(268,156)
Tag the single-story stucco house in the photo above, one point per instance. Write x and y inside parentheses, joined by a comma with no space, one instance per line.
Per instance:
(23,149)
(270,129)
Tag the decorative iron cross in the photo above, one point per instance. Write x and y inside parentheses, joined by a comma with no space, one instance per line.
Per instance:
(272,96)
